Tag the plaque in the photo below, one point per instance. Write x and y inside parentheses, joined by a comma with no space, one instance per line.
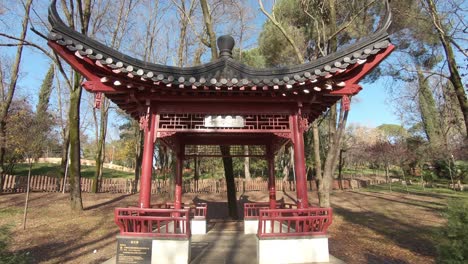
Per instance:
(224,121)
(133,250)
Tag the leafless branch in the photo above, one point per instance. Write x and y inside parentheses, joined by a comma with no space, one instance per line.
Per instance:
(283,31)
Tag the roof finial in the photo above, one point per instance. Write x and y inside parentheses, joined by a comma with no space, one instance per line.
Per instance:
(225,46)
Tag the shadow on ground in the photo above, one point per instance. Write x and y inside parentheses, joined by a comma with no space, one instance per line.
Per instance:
(419,241)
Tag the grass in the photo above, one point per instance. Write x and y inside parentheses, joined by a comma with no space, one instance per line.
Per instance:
(53,170)
(417,189)
(367,171)
(7,257)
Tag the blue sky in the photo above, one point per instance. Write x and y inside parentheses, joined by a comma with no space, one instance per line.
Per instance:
(369,108)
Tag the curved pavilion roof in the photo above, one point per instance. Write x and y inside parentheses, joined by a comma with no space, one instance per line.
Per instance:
(131,82)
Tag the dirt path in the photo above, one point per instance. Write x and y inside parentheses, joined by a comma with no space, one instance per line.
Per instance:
(368,227)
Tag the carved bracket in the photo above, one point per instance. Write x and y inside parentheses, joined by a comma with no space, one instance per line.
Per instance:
(345,103)
(285,135)
(165,134)
(144,121)
(303,124)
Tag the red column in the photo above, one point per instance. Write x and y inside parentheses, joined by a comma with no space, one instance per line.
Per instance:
(299,163)
(178,177)
(271,177)
(147,163)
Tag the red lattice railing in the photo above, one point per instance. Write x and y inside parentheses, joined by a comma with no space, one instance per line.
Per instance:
(169,223)
(294,222)
(234,150)
(197,122)
(252,210)
(200,210)
(197,211)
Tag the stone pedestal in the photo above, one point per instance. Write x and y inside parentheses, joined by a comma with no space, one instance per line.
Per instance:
(293,250)
(145,250)
(250,226)
(198,226)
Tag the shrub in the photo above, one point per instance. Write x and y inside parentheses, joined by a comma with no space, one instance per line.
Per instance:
(454,236)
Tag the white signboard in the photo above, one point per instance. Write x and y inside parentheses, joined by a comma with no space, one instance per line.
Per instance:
(224,121)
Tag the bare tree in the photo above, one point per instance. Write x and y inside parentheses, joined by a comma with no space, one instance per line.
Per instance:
(120,28)
(84,16)
(8,87)
(447,41)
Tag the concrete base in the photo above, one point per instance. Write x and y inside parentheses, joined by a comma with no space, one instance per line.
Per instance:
(170,252)
(147,250)
(198,226)
(293,250)
(250,226)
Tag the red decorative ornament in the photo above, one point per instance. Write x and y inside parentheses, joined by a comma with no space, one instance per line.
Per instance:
(303,124)
(144,122)
(345,103)
(97,100)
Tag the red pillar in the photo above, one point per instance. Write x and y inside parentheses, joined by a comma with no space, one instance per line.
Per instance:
(178,177)
(299,163)
(147,162)
(271,177)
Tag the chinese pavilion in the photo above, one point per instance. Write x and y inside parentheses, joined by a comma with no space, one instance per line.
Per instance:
(192,110)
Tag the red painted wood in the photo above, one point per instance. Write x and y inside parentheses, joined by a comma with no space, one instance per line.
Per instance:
(299,163)
(147,164)
(78,65)
(368,67)
(224,108)
(178,177)
(252,210)
(153,222)
(294,222)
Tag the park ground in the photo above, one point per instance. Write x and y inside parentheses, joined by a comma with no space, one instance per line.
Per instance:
(370,225)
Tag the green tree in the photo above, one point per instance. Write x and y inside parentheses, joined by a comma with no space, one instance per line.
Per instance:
(300,31)
(44,96)
(447,39)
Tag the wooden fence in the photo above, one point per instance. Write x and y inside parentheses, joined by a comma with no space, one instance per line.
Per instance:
(17,184)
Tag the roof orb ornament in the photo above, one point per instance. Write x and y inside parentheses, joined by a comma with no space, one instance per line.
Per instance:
(225,45)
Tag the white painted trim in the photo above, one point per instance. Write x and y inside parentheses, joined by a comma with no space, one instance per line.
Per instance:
(250,226)
(292,250)
(198,226)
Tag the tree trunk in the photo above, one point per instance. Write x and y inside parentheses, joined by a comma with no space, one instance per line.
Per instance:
(75,165)
(196,174)
(451,62)
(138,157)
(340,169)
(209,28)
(2,153)
(64,160)
(101,144)
(246,163)
(331,160)
(318,160)
(26,202)
(429,113)
(231,185)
